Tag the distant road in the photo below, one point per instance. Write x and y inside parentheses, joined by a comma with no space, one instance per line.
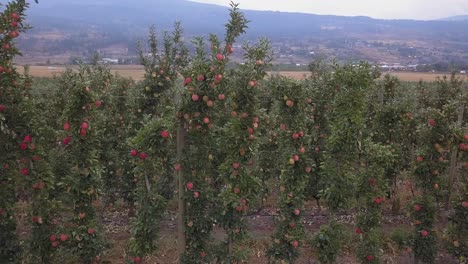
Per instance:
(137,72)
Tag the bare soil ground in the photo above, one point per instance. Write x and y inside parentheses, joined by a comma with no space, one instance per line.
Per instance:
(136,72)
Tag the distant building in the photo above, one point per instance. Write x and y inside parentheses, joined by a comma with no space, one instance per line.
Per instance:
(463,72)
(110,61)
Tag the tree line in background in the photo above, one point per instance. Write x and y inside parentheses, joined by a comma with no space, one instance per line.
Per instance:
(221,141)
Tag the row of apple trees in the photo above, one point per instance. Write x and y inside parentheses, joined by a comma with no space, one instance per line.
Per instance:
(221,138)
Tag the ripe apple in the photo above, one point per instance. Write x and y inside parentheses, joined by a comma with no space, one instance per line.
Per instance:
(290,103)
(143,155)
(14,16)
(377,200)
(291,161)
(2,106)
(358,231)
(23,146)
(84,125)
(6,46)
(233,114)
(189,185)
(282,126)
(370,258)
(296,158)
(250,130)
(98,103)
(239,208)
(463,147)
(431,122)
(292,224)
(209,103)
(220,57)
(424,233)
(417,207)
(195,97)
(465,204)
(13,34)
(63,237)
(308,169)
(55,244)
(91,231)
(206,120)
(372,181)
(187,81)
(87,90)
(82,215)
(221,97)
(259,62)
(212,68)
(465,137)
(27,139)
(66,141)
(244,201)
(252,83)
(295,136)
(420,158)
(200,77)
(302,150)
(83,132)
(236,190)
(137,260)
(52,238)
(165,134)
(229,48)
(218,78)
(66,126)
(235,165)
(295,243)
(24,171)
(196,195)
(297,211)
(436,186)
(36,158)
(202,254)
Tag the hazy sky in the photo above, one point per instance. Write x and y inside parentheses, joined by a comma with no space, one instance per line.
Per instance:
(413,9)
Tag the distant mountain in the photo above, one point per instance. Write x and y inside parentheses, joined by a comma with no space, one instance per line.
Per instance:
(79,26)
(456,18)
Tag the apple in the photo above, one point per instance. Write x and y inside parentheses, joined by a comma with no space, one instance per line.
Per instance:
(358,231)
(377,200)
(221,97)
(236,190)
(137,260)
(301,133)
(187,81)
(200,78)
(424,233)
(27,139)
(417,207)
(370,258)
(55,244)
(143,155)
(259,62)
(23,146)
(218,78)
(2,106)
(436,186)
(463,147)
(212,68)
(87,90)
(98,103)
(84,125)
(290,103)
(36,158)
(244,201)
(431,122)
(209,103)
(296,158)
(420,158)
(53,238)
(202,254)
(282,126)
(195,97)
(295,243)
(24,171)
(206,120)
(302,150)
(83,132)
(295,136)
(292,224)
(220,57)
(252,83)
(13,34)
(14,16)
(239,208)
(291,161)
(189,185)
(465,204)
(233,114)
(165,134)
(308,169)
(229,48)
(82,215)
(63,237)
(250,130)
(235,165)
(372,181)
(196,195)
(91,231)
(66,141)
(6,46)
(297,211)
(66,126)
(177,167)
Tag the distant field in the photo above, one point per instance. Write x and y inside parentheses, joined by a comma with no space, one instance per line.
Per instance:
(136,72)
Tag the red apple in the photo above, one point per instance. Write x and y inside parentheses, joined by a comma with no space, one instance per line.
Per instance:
(84,125)
(83,132)
(236,190)
(295,136)
(36,158)
(424,233)
(23,146)
(465,204)
(218,78)
(14,16)
(187,81)
(308,169)
(63,237)
(221,97)
(52,238)
(14,24)
(417,207)
(202,254)
(91,231)
(177,167)
(244,201)
(206,120)
(377,200)
(235,165)
(296,158)
(252,83)
(358,231)
(372,181)
(13,34)
(431,122)
(195,97)
(165,134)
(24,171)
(233,114)
(229,48)
(66,141)
(6,46)
(209,103)
(27,139)
(239,208)
(55,244)
(302,150)
(220,57)
(98,103)
(189,185)
(420,158)
(137,260)
(66,126)
(200,77)
(297,211)
(290,103)
(282,126)
(295,243)
(2,106)
(250,130)
(465,137)
(87,90)
(463,147)
(82,215)
(143,155)
(196,195)
(134,152)
(370,258)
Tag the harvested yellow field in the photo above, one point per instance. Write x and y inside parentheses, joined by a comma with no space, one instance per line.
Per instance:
(136,72)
